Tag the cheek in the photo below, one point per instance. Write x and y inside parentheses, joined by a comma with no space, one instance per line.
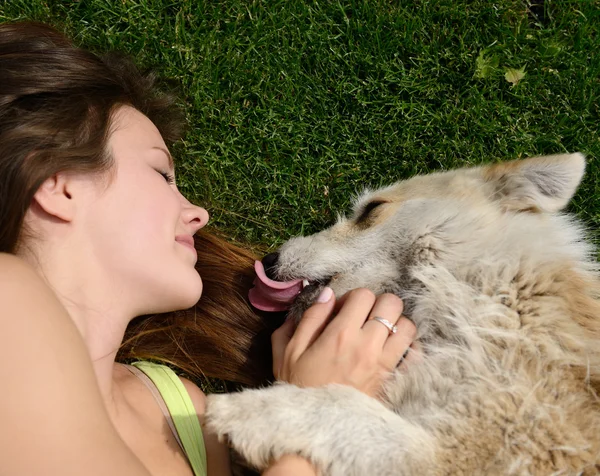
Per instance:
(154,211)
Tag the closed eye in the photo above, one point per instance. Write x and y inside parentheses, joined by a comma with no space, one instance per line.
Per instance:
(168,177)
(369,207)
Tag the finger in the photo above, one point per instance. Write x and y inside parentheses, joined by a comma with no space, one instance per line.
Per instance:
(354,312)
(279,341)
(388,307)
(339,302)
(396,344)
(313,321)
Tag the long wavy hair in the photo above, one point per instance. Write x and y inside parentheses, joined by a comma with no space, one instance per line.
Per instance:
(56,106)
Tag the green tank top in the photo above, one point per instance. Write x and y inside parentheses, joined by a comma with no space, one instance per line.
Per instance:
(182,411)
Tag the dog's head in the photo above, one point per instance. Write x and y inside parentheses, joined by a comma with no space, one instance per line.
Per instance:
(445,219)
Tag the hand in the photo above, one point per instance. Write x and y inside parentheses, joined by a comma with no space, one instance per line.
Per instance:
(291,465)
(352,349)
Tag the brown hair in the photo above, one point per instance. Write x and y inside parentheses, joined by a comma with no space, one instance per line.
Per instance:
(56,105)
(221,336)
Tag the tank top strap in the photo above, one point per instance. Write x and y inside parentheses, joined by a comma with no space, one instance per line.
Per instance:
(183,413)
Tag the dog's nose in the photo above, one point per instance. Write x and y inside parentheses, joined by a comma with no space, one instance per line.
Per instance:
(270,263)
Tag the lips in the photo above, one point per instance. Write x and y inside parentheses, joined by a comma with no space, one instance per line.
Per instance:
(270,295)
(187,241)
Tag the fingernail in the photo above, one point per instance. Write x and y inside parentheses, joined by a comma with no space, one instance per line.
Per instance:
(325,295)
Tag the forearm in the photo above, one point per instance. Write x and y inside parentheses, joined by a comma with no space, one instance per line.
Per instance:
(291,465)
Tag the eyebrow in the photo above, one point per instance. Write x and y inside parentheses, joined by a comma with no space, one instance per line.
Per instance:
(171,163)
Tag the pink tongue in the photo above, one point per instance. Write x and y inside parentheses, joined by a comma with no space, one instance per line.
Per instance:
(269,295)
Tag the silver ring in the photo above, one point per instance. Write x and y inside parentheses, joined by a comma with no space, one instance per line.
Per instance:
(392,329)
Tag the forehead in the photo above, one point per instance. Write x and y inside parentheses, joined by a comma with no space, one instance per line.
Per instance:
(133,131)
(463,184)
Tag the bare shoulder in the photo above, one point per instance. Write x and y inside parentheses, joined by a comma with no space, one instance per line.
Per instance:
(198,396)
(23,291)
(53,390)
(8,259)
(18,281)
(13,267)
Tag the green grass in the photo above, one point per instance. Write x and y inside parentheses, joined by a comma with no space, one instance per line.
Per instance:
(296,105)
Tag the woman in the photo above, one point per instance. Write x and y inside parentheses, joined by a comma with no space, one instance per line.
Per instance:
(94,233)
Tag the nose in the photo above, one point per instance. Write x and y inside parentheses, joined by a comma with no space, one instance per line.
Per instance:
(194,217)
(270,264)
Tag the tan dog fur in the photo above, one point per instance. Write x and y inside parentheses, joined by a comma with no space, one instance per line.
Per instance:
(505,295)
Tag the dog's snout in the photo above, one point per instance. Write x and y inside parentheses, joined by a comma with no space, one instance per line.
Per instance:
(270,263)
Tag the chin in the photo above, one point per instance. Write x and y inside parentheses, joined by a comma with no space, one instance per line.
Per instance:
(179,294)
(189,294)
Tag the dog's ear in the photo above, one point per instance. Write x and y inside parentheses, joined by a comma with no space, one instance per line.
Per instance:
(539,184)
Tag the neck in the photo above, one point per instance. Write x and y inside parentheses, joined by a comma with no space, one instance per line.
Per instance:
(100,317)
(102,334)
(102,341)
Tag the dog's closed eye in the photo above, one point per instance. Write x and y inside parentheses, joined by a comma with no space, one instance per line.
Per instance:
(366,211)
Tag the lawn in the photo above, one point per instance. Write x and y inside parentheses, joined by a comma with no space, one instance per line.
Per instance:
(294,105)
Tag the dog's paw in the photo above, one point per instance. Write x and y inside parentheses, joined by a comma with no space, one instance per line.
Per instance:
(263,425)
(340,430)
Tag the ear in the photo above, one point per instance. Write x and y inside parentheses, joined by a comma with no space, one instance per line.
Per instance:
(540,184)
(54,197)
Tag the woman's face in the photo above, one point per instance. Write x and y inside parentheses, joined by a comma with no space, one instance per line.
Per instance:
(140,226)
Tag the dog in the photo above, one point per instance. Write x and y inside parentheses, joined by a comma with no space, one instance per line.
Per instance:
(504,292)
